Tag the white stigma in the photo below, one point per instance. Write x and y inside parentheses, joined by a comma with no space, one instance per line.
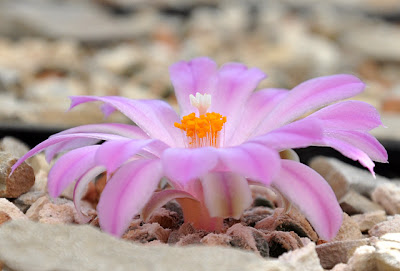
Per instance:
(202,102)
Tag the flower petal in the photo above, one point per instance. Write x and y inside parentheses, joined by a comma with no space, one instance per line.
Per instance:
(350,151)
(190,77)
(349,115)
(113,154)
(235,83)
(363,141)
(69,168)
(307,190)
(226,194)
(251,160)
(155,117)
(257,107)
(126,193)
(183,165)
(298,134)
(61,138)
(310,95)
(80,189)
(161,198)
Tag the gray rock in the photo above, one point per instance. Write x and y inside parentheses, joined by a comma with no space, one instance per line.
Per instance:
(342,176)
(355,203)
(34,246)
(388,196)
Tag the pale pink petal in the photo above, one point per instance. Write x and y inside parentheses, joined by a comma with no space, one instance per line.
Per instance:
(190,77)
(69,168)
(311,95)
(68,145)
(251,160)
(81,188)
(363,141)
(226,194)
(349,115)
(257,107)
(184,165)
(350,151)
(298,134)
(61,138)
(129,131)
(161,198)
(113,154)
(155,117)
(235,83)
(308,191)
(126,193)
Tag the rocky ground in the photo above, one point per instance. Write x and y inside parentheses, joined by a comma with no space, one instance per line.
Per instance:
(369,238)
(52,49)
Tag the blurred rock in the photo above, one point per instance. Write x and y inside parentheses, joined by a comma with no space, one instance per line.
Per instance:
(248,238)
(348,230)
(44,252)
(354,203)
(336,252)
(342,176)
(19,182)
(13,146)
(10,209)
(388,196)
(367,220)
(4,217)
(392,225)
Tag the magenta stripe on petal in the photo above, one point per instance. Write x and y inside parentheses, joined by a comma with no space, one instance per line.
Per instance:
(298,134)
(113,154)
(362,141)
(184,165)
(126,193)
(310,95)
(251,160)
(226,194)
(61,138)
(235,83)
(350,151)
(308,191)
(155,117)
(69,168)
(349,115)
(257,107)
(189,77)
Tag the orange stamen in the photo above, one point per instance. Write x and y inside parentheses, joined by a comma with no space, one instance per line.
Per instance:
(202,131)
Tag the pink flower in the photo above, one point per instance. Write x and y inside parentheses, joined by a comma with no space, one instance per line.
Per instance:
(226,138)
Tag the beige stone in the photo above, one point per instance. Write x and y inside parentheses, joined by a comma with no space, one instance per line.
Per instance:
(336,252)
(56,214)
(14,146)
(363,259)
(388,252)
(349,230)
(71,247)
(388,196)
(366,221)
(342,176)
(10,209)
(305,257)
(4,217)
(19,182)
(355,203)
(392,225)
(33,211)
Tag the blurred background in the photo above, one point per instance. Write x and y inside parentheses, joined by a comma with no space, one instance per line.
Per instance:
(51,49)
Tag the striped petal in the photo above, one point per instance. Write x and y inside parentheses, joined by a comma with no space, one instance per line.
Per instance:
(155,117)
(226,194)
(126,193)
(311,95)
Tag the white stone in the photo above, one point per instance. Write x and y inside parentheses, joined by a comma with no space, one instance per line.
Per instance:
(305,257)
(388,196)
(71,247)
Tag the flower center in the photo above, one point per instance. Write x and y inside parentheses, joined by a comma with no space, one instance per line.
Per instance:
(205,130)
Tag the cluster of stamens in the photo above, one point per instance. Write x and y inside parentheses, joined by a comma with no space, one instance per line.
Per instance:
(204,130)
